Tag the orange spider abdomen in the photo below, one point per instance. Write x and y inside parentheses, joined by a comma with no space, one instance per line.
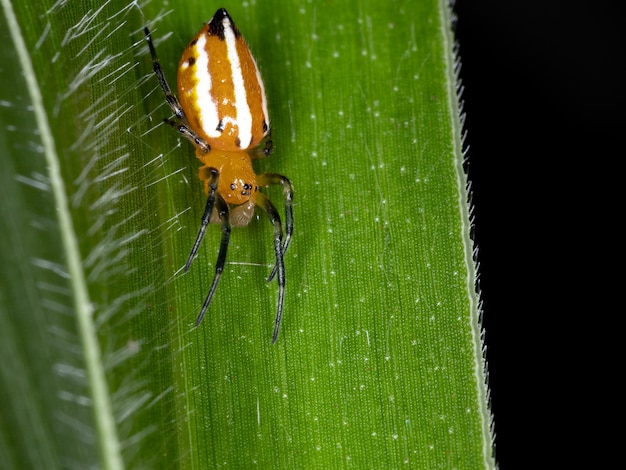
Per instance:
(220,88)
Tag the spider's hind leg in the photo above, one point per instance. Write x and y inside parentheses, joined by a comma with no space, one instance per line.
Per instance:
(189,134)
(264,150)
(183,124)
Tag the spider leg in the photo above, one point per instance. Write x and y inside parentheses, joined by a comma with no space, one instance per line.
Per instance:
(265,151)
(206,216)
(269,145)
(189,134)
(183,127)
(274,217)
(172,101)
(267,179)
(222,209)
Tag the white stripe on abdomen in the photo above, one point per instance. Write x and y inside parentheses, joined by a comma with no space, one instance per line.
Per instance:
(207,108)
(244,115)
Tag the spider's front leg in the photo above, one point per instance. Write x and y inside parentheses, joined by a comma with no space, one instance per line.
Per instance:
(222,210)
(267,179)
(212,197)
(264,203)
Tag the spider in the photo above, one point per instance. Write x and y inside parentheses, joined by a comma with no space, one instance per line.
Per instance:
(222,110)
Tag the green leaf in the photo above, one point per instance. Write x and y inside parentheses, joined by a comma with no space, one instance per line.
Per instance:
(379,360)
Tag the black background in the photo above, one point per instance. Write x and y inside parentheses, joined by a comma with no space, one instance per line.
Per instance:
(543,92)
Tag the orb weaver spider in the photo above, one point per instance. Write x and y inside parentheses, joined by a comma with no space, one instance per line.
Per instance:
(222,110)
